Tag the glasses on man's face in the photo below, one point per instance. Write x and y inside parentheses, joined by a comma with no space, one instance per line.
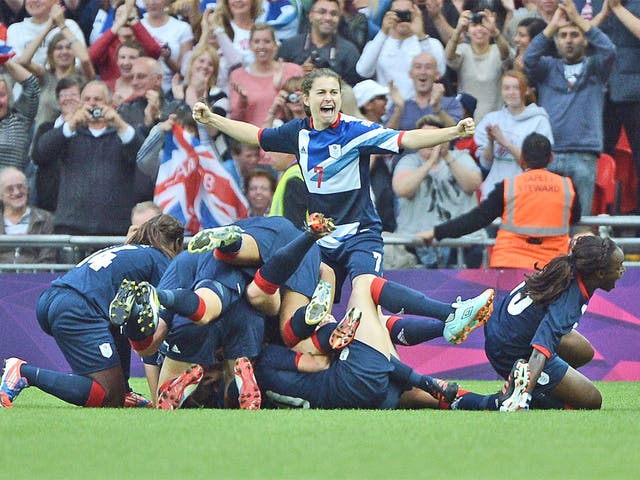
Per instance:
(66,95)
(323,11)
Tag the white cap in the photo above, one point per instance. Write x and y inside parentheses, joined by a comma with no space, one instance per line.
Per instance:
(367,90)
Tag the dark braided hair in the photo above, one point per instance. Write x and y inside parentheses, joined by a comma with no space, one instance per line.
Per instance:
(163,232)
(588,255)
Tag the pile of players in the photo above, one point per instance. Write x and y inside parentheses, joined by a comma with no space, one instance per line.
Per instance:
(236,321)
(263,281)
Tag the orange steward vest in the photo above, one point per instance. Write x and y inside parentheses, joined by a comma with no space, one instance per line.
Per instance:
(535,220)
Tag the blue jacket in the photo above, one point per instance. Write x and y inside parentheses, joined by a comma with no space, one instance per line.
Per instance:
(575,112)
(624,85)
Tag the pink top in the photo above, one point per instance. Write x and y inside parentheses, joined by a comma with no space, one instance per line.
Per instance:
(260,93)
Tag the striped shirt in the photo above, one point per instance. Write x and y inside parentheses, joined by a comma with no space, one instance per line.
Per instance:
(16,128)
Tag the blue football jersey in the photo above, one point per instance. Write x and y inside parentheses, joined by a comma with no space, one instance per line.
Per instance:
(335,167)
(98,277)
(519,323)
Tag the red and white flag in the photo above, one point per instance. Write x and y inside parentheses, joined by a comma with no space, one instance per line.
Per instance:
(193,186)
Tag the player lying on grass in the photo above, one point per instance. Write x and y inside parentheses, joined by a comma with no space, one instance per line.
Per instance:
(537,321)
(75,311)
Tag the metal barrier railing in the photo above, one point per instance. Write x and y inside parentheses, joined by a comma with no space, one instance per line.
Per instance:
(77,245)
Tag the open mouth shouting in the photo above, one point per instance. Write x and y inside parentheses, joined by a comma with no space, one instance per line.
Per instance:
(328,112)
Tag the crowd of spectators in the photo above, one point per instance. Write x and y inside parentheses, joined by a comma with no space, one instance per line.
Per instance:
(89,89)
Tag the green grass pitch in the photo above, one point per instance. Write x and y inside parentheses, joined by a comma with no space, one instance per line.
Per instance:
(43,438)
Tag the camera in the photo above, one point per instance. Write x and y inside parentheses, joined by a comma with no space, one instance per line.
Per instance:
(318,61)
(476,17)
(96,112)
(293,98)
(403,15)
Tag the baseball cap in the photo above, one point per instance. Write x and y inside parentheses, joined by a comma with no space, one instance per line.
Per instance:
(367,90)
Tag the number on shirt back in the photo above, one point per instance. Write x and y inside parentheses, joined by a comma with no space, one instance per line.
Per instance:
(378,257)
(104,258)
(518,303)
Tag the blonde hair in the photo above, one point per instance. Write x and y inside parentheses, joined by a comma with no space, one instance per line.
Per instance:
(57,38)
(199,50)
(261,27)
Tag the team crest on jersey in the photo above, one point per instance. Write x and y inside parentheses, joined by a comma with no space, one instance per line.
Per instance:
(105,350)
(335,150)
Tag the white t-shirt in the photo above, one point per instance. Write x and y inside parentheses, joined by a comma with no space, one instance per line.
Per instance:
(390,59)
(174,33)
(241,42)
(20,34)
(438,198)
(479,75)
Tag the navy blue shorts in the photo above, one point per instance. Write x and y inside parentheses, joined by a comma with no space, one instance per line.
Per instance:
(502,360)
(359,378)
(81,332)
(306,276)
(361,254)
(271,235)
(240,333)
(191,343)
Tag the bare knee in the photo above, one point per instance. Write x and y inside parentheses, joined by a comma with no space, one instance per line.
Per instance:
(362,282)
(593,400)
(112,383)
(587,399)
(267,304)
(114,398)
(575,349)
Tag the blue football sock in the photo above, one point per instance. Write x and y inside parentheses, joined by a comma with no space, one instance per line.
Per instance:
(323,334)
(299,327)
(412,330)
(71,388)
(546,402)
(286,259)
(181,301)
(475,401)
(397,298)
(405,375)
(232,247)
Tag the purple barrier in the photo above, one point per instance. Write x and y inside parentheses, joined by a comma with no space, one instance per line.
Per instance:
(612,324)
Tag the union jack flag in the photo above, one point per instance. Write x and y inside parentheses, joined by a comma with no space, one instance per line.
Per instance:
(194,187)
(6,52)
